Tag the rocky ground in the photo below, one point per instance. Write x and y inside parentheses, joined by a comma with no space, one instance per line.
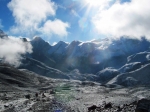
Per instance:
(71,96)
(25,91)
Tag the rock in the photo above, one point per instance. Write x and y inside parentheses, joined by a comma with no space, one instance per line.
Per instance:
(134,103)
(6,106)
(141,110)
(27,96)
(43,100)
(36,94)
(143,105)
(119,108)
(6,98)
(29,109)
(52,92)
(92,108)
(4,94)
(37,99)
(43,95)
(108,105)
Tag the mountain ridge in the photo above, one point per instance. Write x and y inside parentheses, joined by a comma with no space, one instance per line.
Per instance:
(99,60)
(98,52)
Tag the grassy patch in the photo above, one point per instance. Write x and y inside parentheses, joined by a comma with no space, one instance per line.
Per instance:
(64,93)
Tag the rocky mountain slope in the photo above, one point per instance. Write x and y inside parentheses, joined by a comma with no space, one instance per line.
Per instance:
(14,78)
(101,75)
(107,61)
(42,69)
(24,91)
(94,55)
(138,77)
(98,60)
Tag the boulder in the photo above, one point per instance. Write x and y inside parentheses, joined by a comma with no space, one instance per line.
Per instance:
(143,105)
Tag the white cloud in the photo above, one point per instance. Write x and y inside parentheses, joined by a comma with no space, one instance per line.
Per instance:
(31,17)
(99,3)
(12,49)
(29,14)
(56,27)
(130,19)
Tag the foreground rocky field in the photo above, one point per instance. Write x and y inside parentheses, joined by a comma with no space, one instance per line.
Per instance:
(71,96)
(25,91)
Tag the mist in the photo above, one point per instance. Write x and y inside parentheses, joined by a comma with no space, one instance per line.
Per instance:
(12,49)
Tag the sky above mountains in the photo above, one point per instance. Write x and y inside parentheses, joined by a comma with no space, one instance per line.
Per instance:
(69,20)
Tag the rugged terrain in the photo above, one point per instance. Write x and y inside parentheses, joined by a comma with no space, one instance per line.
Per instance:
(103,75)
(25,91)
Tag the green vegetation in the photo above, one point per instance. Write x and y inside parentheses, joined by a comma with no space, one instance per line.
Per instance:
(64,93)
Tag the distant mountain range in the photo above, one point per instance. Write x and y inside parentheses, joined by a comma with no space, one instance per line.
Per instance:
(103,53)
(108,61)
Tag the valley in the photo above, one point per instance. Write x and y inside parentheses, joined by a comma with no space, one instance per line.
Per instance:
(51,95)
(78,77)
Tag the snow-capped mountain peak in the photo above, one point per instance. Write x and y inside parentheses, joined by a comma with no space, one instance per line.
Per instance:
(36,38)
(58,48)
(100,49)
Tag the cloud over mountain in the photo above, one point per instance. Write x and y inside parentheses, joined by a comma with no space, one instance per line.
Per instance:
(32,15)
(12,48)
(56,27)
(129,18)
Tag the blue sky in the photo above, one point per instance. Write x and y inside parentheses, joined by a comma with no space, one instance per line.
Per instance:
(69,20)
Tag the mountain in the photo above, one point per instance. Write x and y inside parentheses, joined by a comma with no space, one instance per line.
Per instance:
(140,76)
(42,69)
(100,60)
(14,78)
(130,67)
(59,48)
(40,51)
(87,57)
(103,49)
(107,74)
(2,34)
(142,57)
